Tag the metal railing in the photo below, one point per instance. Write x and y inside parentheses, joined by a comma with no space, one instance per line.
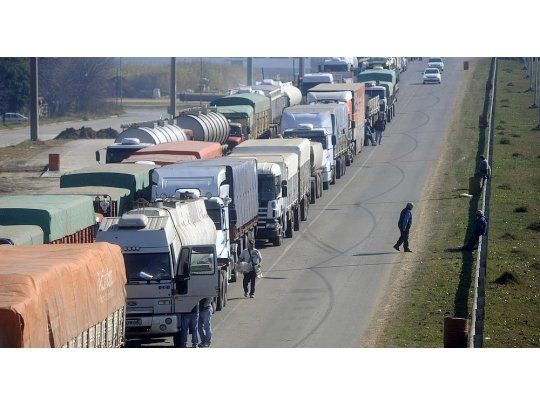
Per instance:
(476,334)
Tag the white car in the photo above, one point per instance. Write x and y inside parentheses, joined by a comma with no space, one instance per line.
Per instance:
(432,75)
(14,117)
(436,63)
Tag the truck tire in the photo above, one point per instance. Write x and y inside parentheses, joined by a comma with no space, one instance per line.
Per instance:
(313,193)
(320,186)
(325,185)
(304,209)
(345,167)
(290,226)
(233,275)
(296,216)
(338,168)
(333,180)
(176,340)
(278,240)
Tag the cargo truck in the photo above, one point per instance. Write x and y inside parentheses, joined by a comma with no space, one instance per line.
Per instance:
(137,136)
(278,193)
(357,107)
(229,189)
(343,69)
(108,201)
(135,178)
(310,80)
(62,218)
(327,124)
(21,235)
(386,78)
(301,148)
(69,296)
(169,251)
(251,110)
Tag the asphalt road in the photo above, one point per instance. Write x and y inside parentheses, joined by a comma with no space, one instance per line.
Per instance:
(49,131)
(320,288)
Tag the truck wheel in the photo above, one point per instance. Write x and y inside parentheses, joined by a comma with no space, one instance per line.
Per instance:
(304,208)
(290,225)
(233,276)
(278,240)
(313,194)
(219,303)
(325,185)
(176,340)
(320,186)
(296,216)
(333,180)
(338,168)
(344,166)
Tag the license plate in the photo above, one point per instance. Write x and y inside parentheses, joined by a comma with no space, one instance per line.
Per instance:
(133,322)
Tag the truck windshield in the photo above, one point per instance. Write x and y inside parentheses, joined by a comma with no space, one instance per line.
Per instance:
(116,155)
(215,215)
(268,187)
(375,93)
(336,68)
(154,266)
(315,136)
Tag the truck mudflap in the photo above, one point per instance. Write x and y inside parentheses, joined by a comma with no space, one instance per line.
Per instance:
(148,326)
(266,233)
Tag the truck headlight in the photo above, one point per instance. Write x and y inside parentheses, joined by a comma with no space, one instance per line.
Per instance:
(273,204)
(168,321)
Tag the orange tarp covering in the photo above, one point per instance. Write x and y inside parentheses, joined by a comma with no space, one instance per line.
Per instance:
(50,294)
(199,149)
(159,158)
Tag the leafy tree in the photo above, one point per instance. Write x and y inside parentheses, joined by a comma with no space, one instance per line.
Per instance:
(14,84)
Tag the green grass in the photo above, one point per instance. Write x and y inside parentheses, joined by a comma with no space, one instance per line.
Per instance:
(513,308)
(441,283)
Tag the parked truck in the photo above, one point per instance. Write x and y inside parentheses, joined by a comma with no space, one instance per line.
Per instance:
(139,135)
(108,201)
(277,176)
(327,124)
(386,78)
(357,106)
(170,256)
(310,80)
(301,148)
(343,69)
(62,218)
(21,235)
(251,110)
(69,296)
(229,188)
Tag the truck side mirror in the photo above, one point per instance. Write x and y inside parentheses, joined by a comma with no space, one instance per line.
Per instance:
(284,190)
(97,156)
(334,140)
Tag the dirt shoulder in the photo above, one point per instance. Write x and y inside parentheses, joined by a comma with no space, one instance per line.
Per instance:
(419,294)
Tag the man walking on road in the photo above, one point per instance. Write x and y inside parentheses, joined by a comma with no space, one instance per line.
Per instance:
(253,257)
(483,172)
(205,321)
(479,229)
(380,126)
(404,224)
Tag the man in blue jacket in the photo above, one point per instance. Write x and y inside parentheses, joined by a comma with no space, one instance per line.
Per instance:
(479,229)
(404,224)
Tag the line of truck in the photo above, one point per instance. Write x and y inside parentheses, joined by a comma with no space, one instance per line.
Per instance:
(183,203)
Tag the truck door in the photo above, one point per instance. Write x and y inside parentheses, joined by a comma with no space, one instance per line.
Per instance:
(198,271)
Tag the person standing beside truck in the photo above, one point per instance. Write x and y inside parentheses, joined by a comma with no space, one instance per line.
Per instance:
(189,321)
(205,321)
(404,225)
(368,134)
(253,257)
(479,229)
(380,126)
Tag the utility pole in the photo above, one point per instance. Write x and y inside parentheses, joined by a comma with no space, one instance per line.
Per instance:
(301,69)
(34,108)
(537,95)
(534,73)
(121,98)
(249,71)
(172,107)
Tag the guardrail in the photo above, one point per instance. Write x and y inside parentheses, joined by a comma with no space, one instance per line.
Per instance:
(476,334)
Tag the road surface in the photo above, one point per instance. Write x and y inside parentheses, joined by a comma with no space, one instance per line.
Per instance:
(49,131)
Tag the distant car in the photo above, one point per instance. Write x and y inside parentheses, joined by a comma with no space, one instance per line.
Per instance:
(14,117)
(432,75)
(436,63)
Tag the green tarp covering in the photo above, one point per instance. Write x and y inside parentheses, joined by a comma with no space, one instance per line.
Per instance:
(134,177)
(384,75)
(22,234)
(259,102)
(56,215)
(122,196)
(236,111)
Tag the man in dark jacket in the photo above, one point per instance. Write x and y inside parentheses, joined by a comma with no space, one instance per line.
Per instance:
(404,224)
(380,126)
(368,134)
(479,229)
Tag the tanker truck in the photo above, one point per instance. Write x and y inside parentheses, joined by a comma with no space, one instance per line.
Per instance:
(170,255)
(139,135)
